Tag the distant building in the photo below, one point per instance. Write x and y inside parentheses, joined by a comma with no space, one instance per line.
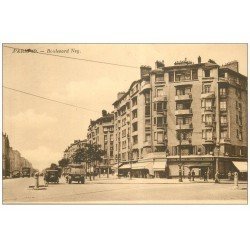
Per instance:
(12,159)
(5,155)
(71,149)
(101,132)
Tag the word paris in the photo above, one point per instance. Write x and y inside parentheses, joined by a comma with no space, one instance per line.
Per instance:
(49,51)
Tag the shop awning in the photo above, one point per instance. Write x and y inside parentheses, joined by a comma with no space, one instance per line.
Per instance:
(198,165)
(125,166)
(159,165)
(241,165)
(140,165)
(115,166)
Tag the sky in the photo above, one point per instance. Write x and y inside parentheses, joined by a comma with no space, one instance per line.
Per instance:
(41,130)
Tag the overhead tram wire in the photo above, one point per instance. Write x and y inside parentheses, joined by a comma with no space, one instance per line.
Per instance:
(73,58)
(48,99)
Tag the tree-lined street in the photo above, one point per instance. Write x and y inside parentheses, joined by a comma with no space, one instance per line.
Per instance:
(117,191)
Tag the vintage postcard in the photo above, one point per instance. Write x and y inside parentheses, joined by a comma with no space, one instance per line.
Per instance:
(124,124)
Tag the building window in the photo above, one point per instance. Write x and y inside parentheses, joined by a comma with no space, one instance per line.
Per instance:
(159,92)
(134,101)
(206,88)
(223,91)
(147,110)
(207,72)
(135,127)
(223,105)
(194,74)
(147,137)
(159,78)
(134,114)
(171,76)
(160,137)
(135,139)
(223,119)
(123,133)
(147,98)
(223,134)
(160,121)
(160,106)
(105,138)
(147,121)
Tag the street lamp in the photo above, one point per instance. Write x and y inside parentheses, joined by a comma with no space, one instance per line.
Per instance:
(180,167)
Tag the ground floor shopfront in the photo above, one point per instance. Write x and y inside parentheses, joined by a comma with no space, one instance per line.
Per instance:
(208,165)
(199,165)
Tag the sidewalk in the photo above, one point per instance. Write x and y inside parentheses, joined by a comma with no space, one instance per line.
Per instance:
(116,180)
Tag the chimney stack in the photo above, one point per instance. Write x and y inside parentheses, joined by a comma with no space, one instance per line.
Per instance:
(199,59)
(145,70)
(234,65)
(120,95)
(159,64)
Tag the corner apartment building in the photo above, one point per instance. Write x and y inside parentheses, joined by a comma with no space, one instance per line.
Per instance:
(196,109)
(101,132)
(141,122)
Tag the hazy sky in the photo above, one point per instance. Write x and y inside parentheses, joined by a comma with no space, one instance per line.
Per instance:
(41,130)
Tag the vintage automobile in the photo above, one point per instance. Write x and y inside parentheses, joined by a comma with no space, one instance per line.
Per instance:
(16,174)
(75,173)
(51,176)
(25,172)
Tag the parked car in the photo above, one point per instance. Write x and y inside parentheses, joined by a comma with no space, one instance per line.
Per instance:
(16,174)
(25,172)
(75,173)
(51,176)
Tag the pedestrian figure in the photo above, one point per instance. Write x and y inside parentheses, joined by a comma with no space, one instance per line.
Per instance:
(193,175)
(200,173)
(217,180)
(189,175)
(229,175)
(205,176)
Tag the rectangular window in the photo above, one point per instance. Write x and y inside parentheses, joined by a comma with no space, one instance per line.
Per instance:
(223,119)
(223,105)
(206,88)
(223,134)
(159,92)
(223,91)
(159,78)
(160,137)
(147,137)
(134,126)
(147,98)
(171,76)
(207,73)
(134,101)
(105,138)
(194,74)
(135,139)
(147,110)
(123,133)
(134,114)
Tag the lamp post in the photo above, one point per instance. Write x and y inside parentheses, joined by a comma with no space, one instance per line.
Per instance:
(180,167)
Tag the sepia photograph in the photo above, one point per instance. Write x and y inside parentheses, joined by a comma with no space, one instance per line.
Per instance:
(125,123)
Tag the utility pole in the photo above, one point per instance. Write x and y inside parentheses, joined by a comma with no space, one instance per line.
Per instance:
(180,167)
(108,157)
(118,145)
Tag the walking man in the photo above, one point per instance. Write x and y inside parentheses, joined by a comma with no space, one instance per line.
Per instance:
(205,176)
(193,175)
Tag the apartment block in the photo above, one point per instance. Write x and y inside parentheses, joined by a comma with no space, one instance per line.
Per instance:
(192,115)
(101,132)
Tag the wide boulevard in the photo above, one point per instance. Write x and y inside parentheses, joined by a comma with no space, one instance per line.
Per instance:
(124,191)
